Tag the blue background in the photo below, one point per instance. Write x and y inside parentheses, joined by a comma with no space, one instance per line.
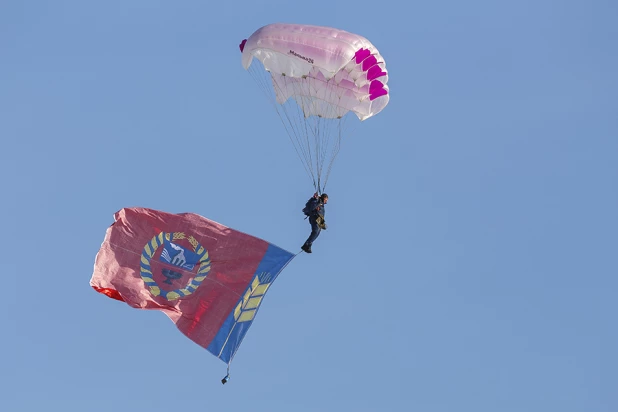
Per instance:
(470,260)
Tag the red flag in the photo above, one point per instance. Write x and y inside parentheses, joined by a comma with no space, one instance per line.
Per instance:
(209,279)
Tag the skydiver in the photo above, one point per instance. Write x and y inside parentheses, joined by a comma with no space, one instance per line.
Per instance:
(314,209)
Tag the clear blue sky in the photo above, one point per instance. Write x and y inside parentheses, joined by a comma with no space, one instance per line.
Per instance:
(470,263)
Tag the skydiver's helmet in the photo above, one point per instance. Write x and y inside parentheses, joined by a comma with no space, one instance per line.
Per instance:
(324,196)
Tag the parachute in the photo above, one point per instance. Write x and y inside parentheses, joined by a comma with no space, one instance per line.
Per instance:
(317,78)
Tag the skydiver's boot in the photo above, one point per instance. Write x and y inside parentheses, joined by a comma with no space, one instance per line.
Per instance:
(306,248)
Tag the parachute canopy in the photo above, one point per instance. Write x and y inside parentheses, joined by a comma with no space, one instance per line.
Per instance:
(315,76)
(334,70)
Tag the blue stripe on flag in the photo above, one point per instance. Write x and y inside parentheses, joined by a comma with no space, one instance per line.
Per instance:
(230,335)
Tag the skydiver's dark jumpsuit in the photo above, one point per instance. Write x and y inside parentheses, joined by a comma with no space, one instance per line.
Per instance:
(317,210)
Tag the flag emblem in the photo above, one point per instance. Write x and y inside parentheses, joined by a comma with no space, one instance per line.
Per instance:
(173,265)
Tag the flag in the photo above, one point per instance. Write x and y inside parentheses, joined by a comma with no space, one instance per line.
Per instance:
(210,280)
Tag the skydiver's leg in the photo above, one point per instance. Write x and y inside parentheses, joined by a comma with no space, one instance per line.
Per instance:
(315,232)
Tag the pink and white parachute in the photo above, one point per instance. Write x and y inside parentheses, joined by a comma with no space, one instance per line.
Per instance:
(316,76)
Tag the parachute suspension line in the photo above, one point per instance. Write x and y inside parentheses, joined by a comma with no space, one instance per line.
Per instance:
(317,138)
(335,152)
(300,107)
(330,134)
(294,121)
(313,116)
(265,82)
(313,122)
(343,128)
(316,185)
(317,120)
(303,108)
(294,112)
